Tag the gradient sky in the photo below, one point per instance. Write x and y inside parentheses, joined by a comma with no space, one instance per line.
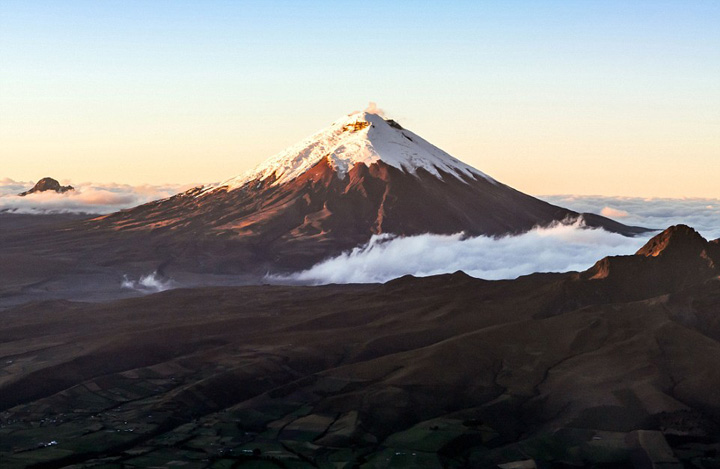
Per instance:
(584,97)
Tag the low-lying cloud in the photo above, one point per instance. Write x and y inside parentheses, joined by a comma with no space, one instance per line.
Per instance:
(151,283)
(86,198)
(559,248)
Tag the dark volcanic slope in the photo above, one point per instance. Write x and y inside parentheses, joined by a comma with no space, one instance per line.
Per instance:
(360,176)
(317,215)
(443,371)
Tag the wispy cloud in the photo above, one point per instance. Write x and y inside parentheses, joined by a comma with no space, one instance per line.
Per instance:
(86,198)
(613,212)
(151,283)
(373,108)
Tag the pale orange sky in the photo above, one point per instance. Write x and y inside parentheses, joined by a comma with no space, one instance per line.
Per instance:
(538,157)
(606,98)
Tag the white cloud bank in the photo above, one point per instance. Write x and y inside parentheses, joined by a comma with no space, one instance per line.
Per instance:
(559,248)
(86,198)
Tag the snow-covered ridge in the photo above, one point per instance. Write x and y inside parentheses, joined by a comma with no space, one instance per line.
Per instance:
(357,138)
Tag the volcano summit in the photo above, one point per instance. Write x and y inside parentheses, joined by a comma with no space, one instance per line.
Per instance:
(362,175)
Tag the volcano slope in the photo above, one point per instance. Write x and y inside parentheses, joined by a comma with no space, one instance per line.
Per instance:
(360,176)
(612,367)
(363,175)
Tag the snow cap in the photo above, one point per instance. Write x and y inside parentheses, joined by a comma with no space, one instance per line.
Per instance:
(361,137)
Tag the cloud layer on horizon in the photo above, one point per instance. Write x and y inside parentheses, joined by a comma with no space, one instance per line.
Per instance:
(556,249)
(86,198)
(657,213)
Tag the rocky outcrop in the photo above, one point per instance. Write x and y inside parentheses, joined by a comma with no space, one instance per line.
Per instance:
(47,184)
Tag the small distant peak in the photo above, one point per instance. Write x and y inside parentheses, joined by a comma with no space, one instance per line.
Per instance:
(47,184)
(459,274)
(677,239)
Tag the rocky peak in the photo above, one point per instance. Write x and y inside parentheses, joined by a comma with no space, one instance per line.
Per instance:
(47,184)
(670,261)
(678,240)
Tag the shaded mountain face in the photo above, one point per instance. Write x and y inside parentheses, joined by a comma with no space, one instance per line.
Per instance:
(47,184)
(672,260)
(681,243)
(361,176)
(444,371)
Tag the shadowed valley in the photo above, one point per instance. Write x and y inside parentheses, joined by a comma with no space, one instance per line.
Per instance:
(610,367)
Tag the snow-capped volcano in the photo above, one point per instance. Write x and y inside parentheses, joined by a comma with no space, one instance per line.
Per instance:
(362,175)
(360,137)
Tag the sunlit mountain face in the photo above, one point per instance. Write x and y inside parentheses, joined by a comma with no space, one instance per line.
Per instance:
(363,175)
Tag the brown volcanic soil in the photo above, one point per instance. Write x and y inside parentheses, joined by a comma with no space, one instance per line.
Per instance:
(445,371)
